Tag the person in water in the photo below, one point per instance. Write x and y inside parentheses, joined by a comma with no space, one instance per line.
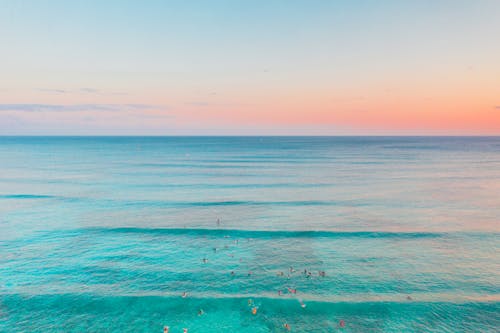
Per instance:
(184,294)
(287,326)
(342,323)
(165,329)
(185,330)
(201,312)
(254,310)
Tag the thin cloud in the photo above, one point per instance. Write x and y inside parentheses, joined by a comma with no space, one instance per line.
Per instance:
(76,107)
(57,91)
(80,91)
(497,106)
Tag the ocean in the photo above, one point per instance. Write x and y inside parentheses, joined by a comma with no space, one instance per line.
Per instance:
(247,234)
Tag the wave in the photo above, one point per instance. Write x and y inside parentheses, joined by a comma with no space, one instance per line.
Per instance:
(241,233)
(394,298)
(178,204)
(93,313)
(231,186)
(26,196)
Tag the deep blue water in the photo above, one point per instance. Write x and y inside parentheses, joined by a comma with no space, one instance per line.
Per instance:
(104,234)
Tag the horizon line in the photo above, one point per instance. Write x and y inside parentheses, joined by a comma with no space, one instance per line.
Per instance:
(248,135)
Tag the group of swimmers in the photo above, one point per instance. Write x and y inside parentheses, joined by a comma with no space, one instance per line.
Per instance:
(254,308)
(306,273)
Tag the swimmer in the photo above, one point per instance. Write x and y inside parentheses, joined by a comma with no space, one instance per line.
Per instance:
(280,293)
(342,323)
(250,302)
(165,329)
(185,330)
(184,294)
(205,260)
(254,310)
(286,326)
(409,298)
(200,312)
(232,273)
(302,304)
(215,249)
(249,273)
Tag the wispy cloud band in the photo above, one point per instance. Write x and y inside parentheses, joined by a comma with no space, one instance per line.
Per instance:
(76,107)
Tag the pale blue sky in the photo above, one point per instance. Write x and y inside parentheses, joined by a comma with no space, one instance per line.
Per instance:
(249,67)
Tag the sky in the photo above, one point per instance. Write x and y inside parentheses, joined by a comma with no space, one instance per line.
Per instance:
(250,67)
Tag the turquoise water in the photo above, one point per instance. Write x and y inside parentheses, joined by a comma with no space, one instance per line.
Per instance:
(106,234)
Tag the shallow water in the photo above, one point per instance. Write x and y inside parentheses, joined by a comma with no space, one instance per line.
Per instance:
(105,234)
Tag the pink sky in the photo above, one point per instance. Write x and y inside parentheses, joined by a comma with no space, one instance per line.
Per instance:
(321,68)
